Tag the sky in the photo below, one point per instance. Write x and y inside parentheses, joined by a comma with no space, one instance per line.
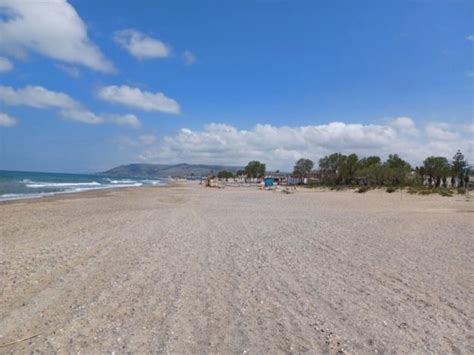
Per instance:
(89,85)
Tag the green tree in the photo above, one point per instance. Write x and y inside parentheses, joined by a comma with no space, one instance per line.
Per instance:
(261,171)
(349,167)
(458,164)
(395,170)
(337,168)
(224,174)
(395,162)
(255,169)
(369,161)
(303,167)
(420,171)
(436,168)
(370,170)
(330,168)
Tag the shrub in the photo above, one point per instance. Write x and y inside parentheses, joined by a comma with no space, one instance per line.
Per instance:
(313,183)
(413,190)
(391,189)
(461,190)
(421,190)
(362,189)
(445,192)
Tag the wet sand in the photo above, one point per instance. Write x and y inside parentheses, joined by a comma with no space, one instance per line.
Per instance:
(188,269)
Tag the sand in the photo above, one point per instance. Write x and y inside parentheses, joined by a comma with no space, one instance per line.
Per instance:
(188,269)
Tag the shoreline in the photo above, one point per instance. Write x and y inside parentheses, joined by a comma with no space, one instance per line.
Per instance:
(65,194)
(36,185)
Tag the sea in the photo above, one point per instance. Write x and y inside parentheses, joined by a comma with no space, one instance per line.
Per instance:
(21,184)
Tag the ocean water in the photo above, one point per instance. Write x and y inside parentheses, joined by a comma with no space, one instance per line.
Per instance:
(18,184)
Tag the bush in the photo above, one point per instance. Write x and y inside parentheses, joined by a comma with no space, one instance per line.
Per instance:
(428,191)
(391,189)
(461,190)
(362,189)
(313,183)
(445,192)
(413,190)
(421,190)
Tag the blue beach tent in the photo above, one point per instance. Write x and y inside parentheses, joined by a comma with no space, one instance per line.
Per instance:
(268,181)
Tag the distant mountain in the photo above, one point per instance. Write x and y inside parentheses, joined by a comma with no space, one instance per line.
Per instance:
(165,170)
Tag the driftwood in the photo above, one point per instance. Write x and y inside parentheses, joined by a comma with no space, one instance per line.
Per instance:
(19,340)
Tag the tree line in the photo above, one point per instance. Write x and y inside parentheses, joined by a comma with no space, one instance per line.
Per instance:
(253,170)
(340,169)
(343,170)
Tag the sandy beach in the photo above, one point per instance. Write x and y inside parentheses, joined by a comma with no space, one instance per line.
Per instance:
(188,269)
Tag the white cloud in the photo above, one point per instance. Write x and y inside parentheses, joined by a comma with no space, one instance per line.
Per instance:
(140,45)
(470,37)
(51,28)
(404,125)
(124,120)
(134,97)
(82,115)
(441,131)
(5,65)
(39,97)
(280,147)
(189,57)
(7,120)
(36,96)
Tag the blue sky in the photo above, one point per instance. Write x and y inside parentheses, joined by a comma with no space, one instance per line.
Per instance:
(94,84)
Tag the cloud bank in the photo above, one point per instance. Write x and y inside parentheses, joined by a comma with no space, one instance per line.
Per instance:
(281,146)
(140,45)
(134,97)
(41,98)
(51,28)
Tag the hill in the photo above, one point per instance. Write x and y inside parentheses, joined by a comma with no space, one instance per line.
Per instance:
(165,170)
